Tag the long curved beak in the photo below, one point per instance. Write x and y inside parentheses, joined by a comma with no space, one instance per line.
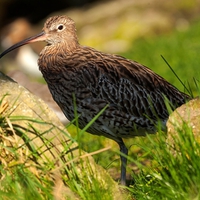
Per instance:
(39,37)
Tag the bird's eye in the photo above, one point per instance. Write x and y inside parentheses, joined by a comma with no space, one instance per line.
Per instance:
(60,27)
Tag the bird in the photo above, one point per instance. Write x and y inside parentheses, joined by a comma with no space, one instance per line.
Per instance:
(134,97)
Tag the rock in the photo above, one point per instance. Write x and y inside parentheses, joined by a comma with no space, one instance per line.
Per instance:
(40,90)
(189,114)
(41,138)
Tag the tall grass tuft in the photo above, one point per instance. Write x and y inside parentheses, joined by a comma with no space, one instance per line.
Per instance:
(174,172)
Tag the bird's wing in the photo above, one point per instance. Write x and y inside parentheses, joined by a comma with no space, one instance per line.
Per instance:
(129,86)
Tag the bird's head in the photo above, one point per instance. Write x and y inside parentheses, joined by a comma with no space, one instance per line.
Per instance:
(57,29)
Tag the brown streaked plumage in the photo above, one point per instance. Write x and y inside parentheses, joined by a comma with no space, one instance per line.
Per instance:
(135,95)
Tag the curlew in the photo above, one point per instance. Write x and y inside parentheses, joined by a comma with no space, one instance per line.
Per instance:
(135,95)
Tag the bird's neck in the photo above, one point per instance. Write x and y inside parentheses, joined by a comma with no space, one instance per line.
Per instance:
(55,55)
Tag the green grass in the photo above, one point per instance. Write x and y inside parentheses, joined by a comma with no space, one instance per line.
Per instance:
(17,182)
(174,173)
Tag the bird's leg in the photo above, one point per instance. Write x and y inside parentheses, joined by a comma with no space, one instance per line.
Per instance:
(124,151)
